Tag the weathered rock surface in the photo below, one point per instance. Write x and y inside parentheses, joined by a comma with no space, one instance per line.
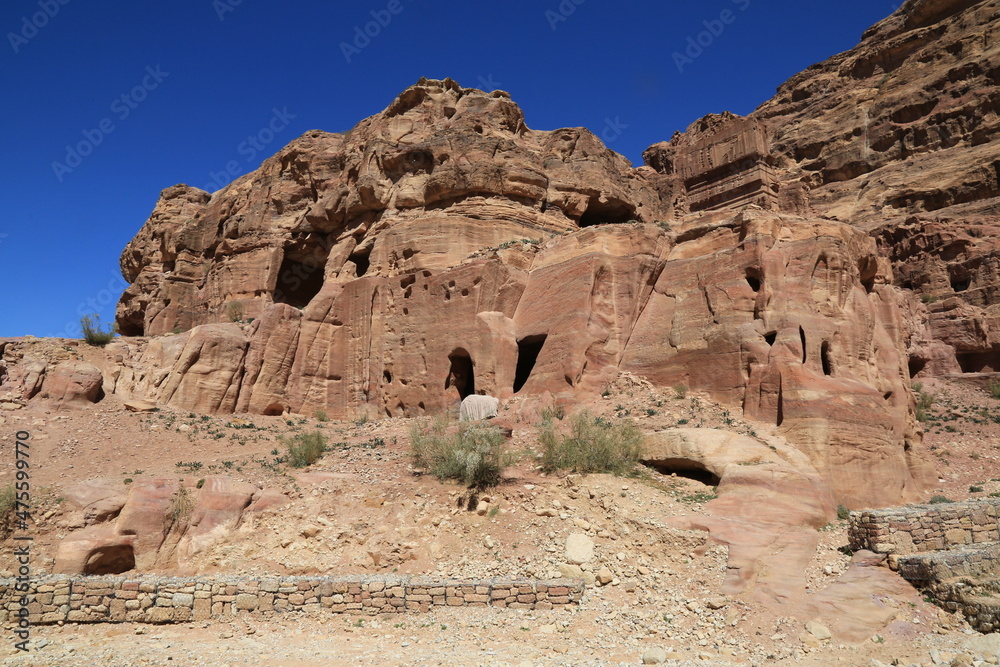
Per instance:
(161,522)
(906,122)
(391,271)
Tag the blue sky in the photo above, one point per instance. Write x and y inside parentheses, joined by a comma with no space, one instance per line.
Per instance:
(106,104)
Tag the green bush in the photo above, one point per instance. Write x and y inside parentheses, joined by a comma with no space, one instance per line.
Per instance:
(8,498)
(680,391)
(995,389)
(93,332)
(593,444)
(476,454)
(937,500)
(320,415)
(234,311)
(975,489)
(304,448)
(843,513)
(924,401)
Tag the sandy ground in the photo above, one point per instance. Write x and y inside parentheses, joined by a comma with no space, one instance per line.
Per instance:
(377,515)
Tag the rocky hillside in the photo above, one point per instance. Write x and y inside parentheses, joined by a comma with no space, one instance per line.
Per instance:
(796,265)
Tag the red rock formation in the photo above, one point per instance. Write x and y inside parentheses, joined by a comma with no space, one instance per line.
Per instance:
(442,248)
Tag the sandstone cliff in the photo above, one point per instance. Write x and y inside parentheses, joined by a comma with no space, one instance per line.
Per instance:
(442,248)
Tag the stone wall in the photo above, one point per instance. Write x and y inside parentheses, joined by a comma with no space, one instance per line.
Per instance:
(60,598)
(950,551)
(979,605)
(923,569)
(916,528)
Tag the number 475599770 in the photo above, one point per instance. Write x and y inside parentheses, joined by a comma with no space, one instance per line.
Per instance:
(23,476)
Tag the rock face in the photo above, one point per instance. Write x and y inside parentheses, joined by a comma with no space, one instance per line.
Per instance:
(35,369)
(442,249)
(906,122)
(158,524)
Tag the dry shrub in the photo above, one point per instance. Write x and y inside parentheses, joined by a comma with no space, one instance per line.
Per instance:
(593,444)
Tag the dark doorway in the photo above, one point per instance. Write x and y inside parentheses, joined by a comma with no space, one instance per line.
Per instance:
(688,468)
(298,282)
(825,356)
(461,375)
(527,354)
(610,211)
(110,560)
(362,260)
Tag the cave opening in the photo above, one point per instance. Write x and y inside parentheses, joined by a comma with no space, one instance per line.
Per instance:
(687,468)
(960,284)
(753,277)
(802,337)
(461,374)
(824,353)
(528,349)
(611,211)
(979,362)
(299,280)
(362,260)
(114,559)
(771,337)
(274,410)
(916,365)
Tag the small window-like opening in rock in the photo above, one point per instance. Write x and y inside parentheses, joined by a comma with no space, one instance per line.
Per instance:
(960,284)
(824,353)
(110,560)
(753,279)
(802,337)
(387,376)
(612,211)
(528,349)
(298,282)
(461,374)
(687,468)
(868,284)
(887,395)
(916,365)
(771,337)
(361,262)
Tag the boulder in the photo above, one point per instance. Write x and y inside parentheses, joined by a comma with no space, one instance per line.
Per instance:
(579,549)
(95,550)
(73,382)
(476,408)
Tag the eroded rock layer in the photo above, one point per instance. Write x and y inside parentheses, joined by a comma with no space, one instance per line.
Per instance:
(442,248)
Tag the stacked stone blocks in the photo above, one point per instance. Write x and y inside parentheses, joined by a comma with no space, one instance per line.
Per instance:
(60,598)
